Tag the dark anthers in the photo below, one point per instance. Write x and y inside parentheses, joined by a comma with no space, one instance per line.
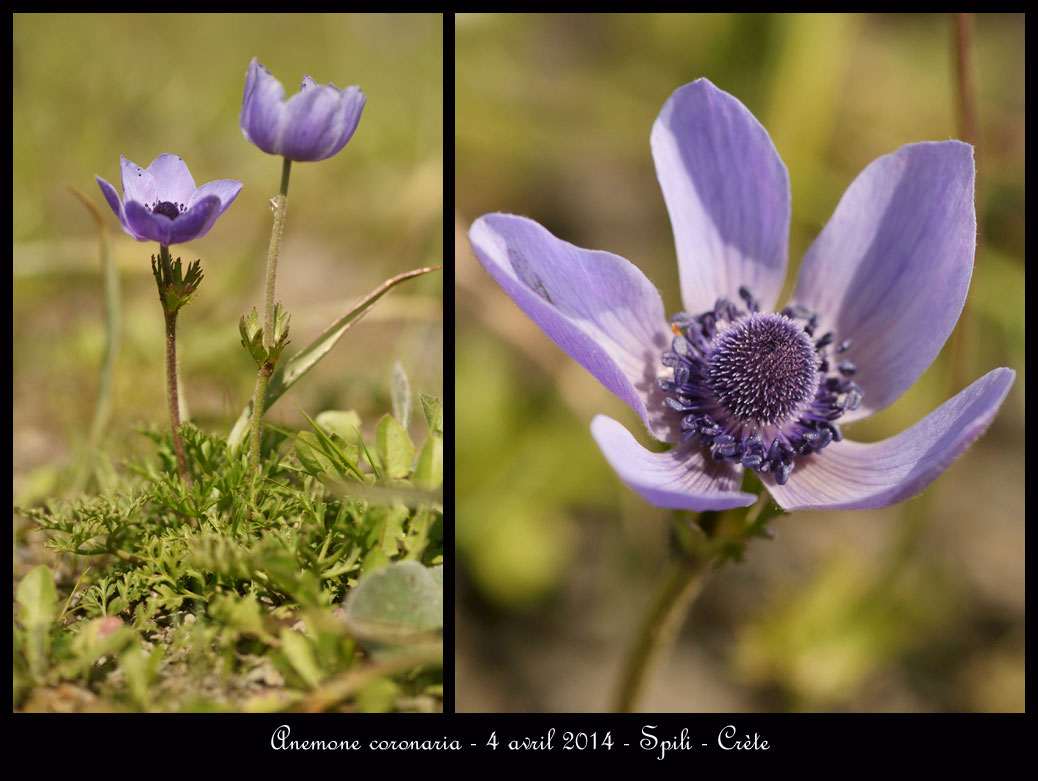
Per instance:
(758,388)
(171,210)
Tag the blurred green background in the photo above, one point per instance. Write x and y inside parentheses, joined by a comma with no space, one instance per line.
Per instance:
(917,607)
(89,88)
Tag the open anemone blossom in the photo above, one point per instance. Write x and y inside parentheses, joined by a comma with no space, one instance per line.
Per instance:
(735,382)
(161,203)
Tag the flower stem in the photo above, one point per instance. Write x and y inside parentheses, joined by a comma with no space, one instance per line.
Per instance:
(272,255)
(172,395)
(267,369)
(262,377)
(682,581)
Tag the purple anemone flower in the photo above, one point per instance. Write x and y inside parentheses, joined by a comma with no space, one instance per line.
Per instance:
(734,382)
(313,124)
(161,203)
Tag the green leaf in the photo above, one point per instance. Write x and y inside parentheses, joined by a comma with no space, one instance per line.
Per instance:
(303,361)
(428,474)
(342,454)
(311,454)
(241,613)
(433,410)
(345,423)
(394,447)
(437,574)
(375,559)
(141,670)
(377,696)
(401,392)
(386,528)
(399,604)
(300,654)
(417,539)
(38,600)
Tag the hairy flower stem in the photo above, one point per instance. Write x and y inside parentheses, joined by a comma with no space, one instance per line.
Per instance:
(172,392)
(682,581)
(267,369)
(262,377)
(272,255)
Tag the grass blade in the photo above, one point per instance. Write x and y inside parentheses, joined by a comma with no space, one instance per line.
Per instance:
(113,335)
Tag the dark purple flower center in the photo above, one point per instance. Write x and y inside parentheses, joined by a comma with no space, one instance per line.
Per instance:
(757,388)
(764,368)
(171,210)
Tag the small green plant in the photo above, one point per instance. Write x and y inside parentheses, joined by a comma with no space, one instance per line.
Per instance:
(226,592)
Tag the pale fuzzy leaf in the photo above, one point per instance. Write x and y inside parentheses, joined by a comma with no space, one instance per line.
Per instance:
(433,410)
(401,392)
(300,654)
(394,446)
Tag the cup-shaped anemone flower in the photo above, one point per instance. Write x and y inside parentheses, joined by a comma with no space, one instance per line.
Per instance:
(735,382)
(161,203)
(313,124)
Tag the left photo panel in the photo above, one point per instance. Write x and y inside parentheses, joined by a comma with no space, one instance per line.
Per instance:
(228,386)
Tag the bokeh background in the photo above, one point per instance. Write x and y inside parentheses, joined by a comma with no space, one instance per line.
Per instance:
(89,88)
(917,607)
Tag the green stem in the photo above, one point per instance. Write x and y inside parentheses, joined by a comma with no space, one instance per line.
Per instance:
(172,392)
(272,255)
(681,584)
(263,376)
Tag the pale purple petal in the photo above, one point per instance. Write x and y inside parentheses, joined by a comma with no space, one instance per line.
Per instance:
(224,189)
(597,307)
(173,181)
(138,183)
(196,221)
(727,192)
(320,122)
(263,112)
(891,268)
(858,476)
(683,478)
(113,199)
(146,226)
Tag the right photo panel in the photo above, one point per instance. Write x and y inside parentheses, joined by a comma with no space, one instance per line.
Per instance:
(739,350)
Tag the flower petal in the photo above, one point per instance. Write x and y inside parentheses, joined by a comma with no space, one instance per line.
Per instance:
(224,189)
(146,226)
(859,476)
(683,478)
(596,306)
(138,183)
(320,121)
(727,192)
(113,199)
(196,221)
(263,112)
(891,268)
(173,180)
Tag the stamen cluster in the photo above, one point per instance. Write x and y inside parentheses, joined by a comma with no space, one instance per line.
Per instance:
(757,388)
(168,208)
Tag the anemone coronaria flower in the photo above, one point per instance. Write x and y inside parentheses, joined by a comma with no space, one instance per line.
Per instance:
(734,381)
